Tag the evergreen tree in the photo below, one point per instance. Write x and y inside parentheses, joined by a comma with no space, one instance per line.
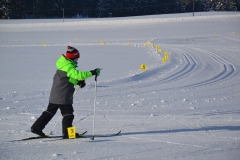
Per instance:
(104,8)
(238,5)
(11,9)
(5,8)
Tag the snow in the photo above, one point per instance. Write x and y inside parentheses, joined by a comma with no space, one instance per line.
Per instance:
(186,108)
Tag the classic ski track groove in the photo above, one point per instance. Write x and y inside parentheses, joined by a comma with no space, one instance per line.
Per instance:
(189,65)
(228,70)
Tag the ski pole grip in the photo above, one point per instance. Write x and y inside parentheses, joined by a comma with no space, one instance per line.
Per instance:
(97,74)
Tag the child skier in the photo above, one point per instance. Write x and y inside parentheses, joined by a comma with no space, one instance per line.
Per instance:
(66,77)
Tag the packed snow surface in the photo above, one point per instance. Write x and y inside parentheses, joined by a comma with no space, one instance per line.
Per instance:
(185,106)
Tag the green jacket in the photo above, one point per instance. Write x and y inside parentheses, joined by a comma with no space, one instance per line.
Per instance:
(69,67)
(64,80)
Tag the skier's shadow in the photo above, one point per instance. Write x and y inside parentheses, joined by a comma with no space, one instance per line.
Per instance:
(98,140)
(210,128)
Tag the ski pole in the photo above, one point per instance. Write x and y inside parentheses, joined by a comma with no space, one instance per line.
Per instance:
(95,95)
(75,92)
(55,126)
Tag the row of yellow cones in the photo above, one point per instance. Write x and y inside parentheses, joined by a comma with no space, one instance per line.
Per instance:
(158,48)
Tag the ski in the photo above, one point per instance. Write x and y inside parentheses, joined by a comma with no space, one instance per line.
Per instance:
(91,136)
(46,137)
(102,135)
(82,135)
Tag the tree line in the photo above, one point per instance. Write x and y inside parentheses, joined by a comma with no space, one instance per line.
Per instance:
(26,9)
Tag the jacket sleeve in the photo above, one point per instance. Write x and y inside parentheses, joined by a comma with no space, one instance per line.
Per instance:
(79,75)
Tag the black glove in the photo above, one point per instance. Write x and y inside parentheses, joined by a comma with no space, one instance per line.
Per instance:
(81,83)
(95,72)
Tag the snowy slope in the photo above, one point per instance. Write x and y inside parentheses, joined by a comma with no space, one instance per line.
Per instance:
(187,108)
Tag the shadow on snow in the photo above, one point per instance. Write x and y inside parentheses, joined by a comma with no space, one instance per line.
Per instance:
(210,128)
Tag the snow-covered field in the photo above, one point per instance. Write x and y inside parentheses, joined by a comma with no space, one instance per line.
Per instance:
(187,108)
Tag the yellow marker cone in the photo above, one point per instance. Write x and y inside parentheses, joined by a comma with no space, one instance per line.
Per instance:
(44,43)
(129,43)
(159,50)
(166,57)
(71,132)
(163,60)
(143,67)
(145,44)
